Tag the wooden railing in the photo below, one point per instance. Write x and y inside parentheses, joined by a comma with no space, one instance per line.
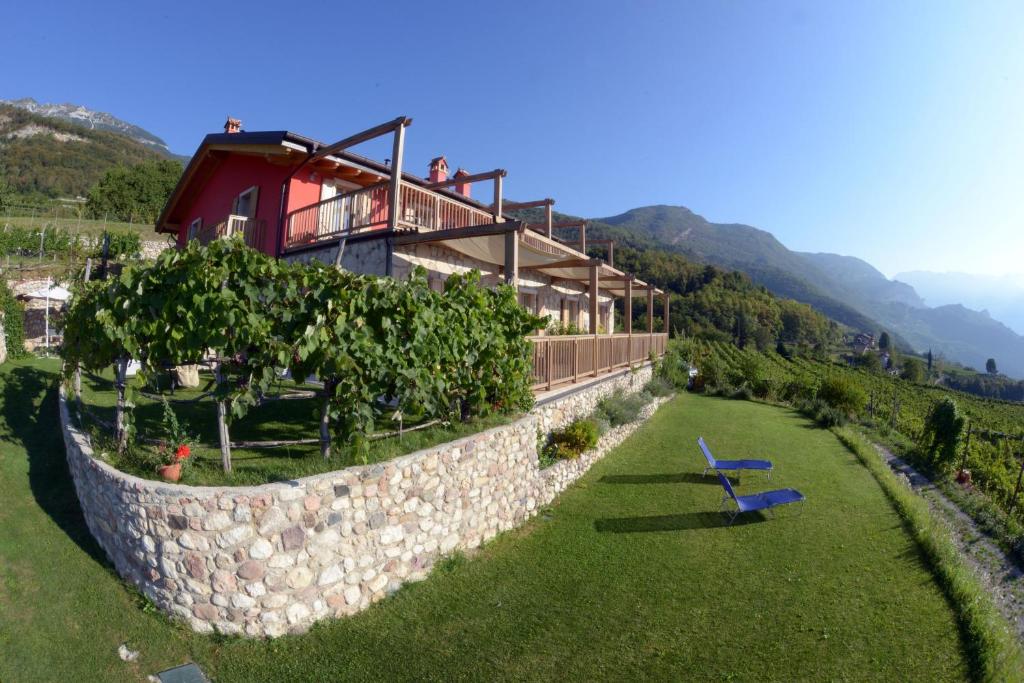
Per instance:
(252,230)
(367,209)
(571,358)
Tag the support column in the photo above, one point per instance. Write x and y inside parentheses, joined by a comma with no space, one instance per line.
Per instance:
(395,200)
(650,309)
(666,308)
(511,272)
(583,237)
(595,282)
(628,307)
(611,254)
(497,200)
(549,219)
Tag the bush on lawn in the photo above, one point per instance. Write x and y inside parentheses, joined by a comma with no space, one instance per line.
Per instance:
(842,394)
(12,319)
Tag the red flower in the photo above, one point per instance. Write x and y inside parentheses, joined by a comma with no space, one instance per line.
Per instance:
(182,452)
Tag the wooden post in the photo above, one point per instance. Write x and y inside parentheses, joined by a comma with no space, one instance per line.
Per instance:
(549,215)
(593,293)
(222,422)
(611,253)
(497,199)
(628,322)
(650,310)
(550,362)
(395,200)
(120,425)
(575,360)
(668,299)
(583,237)
(325,419)
(597,355)
(511,272)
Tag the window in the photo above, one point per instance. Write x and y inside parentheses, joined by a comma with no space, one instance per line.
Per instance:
(245,203)
(194,228)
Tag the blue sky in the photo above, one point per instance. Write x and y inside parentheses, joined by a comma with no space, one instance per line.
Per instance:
(892,131)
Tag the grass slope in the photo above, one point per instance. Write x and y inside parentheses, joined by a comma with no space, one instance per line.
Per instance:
(631,575)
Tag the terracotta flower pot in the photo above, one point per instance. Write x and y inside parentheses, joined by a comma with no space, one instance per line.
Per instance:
(170,472)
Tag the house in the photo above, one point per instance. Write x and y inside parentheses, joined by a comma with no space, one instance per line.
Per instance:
(863,342)
(298,199)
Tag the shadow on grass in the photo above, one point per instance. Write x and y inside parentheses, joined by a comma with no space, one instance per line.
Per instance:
(678,478)
(681,522)
(37,430)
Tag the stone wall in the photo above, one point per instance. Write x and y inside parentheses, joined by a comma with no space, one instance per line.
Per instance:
(273,559)
(367,256)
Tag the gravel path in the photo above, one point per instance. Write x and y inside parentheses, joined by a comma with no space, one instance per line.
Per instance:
(1004,579)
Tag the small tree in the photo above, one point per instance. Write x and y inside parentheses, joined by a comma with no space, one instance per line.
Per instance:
(913,370)
(943,429)
(930,361)
(843,394)
(990,367)
(884,343)
(871,362)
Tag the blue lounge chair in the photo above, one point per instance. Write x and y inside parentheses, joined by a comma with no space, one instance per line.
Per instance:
(756,501)
(732,465)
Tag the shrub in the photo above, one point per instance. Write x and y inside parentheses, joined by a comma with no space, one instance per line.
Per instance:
(943,430)
(658,387)
(798,390)
(572,440)
(843,394)
(619,410)
(742,393)
(11,317)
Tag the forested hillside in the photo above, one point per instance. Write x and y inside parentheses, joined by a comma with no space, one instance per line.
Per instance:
(44,157)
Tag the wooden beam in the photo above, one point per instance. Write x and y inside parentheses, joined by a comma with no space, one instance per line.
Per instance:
(595,288)
(458,233)
(490,175)
(583,237)
(383,129)
(548,222)
(570,263)
(515,206)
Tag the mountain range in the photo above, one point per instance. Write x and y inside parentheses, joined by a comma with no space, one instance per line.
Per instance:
(846,288)
(94,120)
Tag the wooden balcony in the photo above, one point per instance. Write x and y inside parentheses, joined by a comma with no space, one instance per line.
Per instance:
(251,229)
(351,213)
(561,360)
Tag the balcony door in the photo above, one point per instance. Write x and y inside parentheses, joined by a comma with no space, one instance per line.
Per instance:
(334,217)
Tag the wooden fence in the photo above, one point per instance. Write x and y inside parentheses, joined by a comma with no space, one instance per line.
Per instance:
(571,358)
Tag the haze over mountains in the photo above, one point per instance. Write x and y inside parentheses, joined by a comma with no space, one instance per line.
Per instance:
(846,288)
(1000,295)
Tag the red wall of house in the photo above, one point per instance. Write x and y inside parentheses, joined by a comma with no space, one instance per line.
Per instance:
(236,174)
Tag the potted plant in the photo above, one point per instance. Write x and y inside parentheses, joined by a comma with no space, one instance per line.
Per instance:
(176,448)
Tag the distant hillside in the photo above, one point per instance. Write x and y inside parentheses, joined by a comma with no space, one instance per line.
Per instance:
(1002,296)
(94,120)
(846,289)
(50,157)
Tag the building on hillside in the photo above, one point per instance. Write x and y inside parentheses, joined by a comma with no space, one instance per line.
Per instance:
(863,342)
(298,199)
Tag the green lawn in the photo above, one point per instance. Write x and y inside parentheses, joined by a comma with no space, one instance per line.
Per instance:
(631,575)
(285,420)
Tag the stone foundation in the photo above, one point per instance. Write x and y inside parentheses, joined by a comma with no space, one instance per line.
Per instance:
(273,559)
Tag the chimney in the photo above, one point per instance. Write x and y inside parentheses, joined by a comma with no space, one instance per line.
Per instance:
(438,170)
(462,188)
(233,125)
